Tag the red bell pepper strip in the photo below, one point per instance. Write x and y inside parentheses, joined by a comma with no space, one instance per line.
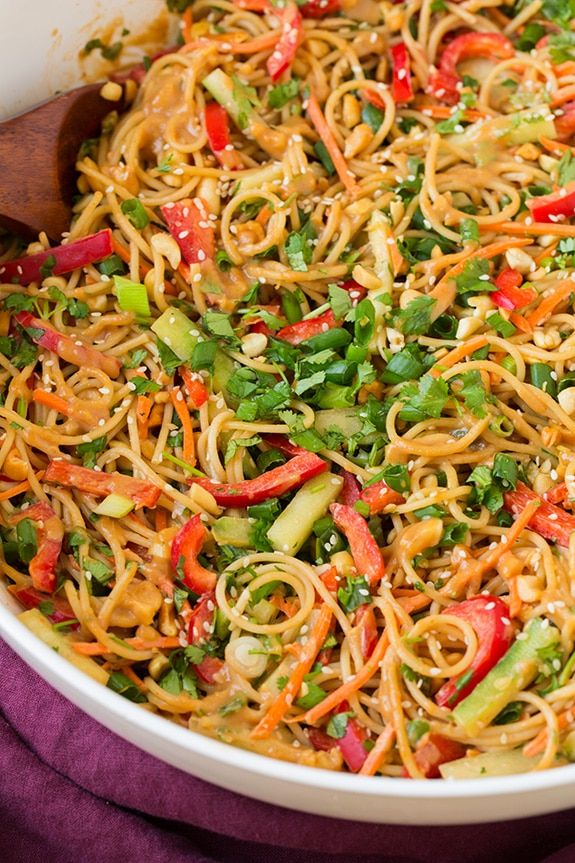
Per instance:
(351,745)
(356,291)
(42,567)
(368,634)
(189,224)
(195,387)
(68,349)
(320,8)
(444,83)
(285,50)
(401,87)
(509,294)
(273,483)
(558,494)
(565,124)
(102,484)
(489,617)
(31,597)
(554,207)
(60,259)
(186,546)
(549,521)
(201,624)
(350,490)
(434,750)
(364,550)
(379,495)
(303,330)
(218,132)
(281,443)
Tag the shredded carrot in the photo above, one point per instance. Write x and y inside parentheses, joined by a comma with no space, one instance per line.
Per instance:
(444,112)
(264,214)
(94,648)
(52,401)
(534,229)
(414,603)
(546,252)
(124,254)
(19,488)
(343,692)
(129,672)
(5,318)
(562,96)
(309,652)
(539,742)
(458,354)
(189,447)
(521,322)
(326,135)
(377,755)
(160,518)
(515,602)
(187,21)
(548,304)
(143,410)
(554,146)
(509,538)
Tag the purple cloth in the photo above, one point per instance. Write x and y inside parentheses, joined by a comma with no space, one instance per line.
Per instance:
(73,792)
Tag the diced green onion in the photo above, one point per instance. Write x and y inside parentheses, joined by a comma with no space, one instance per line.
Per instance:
(291,308)
(132,297)
(330,340)
(115,506)
(341,372)
(509,363)
(501,426)
(136,213)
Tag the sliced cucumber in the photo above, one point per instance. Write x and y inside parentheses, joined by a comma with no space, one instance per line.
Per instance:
(178,332)
(294,525)
(488,764)
(233,531)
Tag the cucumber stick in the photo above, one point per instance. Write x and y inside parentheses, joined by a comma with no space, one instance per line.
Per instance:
(178,332)
(488,764)
(294,525)
(233,531)
(41,627)
(515,671)
(221,88)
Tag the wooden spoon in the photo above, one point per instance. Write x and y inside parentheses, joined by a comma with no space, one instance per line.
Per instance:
(38,153)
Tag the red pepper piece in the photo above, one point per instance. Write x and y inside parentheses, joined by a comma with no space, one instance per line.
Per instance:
(554,207)
(351,745)
(218,132)
(350,490)
(285,50)
(281,443)
(565,124)
(365,620)
(558,494)
(356,291)
(444,83)
(373,97)
(401,87)
(489,617)
(42,567)
(186,547)
(549,521)
(31,597)
(379,495)
(67,349)
(320,8)
(273,483)
(201,624)
(195,387)
(66,258)
(509,294)
(364,550)
(189,224)
(434,750)
(208,668)
(102,484)
(303,330)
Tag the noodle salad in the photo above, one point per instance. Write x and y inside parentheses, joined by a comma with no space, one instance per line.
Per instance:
(288,417)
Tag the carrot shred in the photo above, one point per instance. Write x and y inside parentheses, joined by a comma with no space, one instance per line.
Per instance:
(187,21)
(377,755)
(509,538)
(539,742)
(19,488)
(309,652)
(562,96)
(160,519)
(94,648)
(343,692)
(546,252)
(457,354)
(548,304)
(554,146)
(534,229)
(52,401)
(521,322)
(189,447)
(144,407)
(445,112)
(326,135)
(124,254)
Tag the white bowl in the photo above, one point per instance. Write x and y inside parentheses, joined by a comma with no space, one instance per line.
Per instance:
(50,62)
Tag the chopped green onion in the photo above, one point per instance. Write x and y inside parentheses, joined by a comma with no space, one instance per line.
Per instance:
(115,506)
(136,213)
(541,377)
(132,297)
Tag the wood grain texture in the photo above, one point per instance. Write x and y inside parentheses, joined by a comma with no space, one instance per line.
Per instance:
(38,152)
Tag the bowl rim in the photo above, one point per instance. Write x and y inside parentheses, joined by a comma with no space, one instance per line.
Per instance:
(37,655)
